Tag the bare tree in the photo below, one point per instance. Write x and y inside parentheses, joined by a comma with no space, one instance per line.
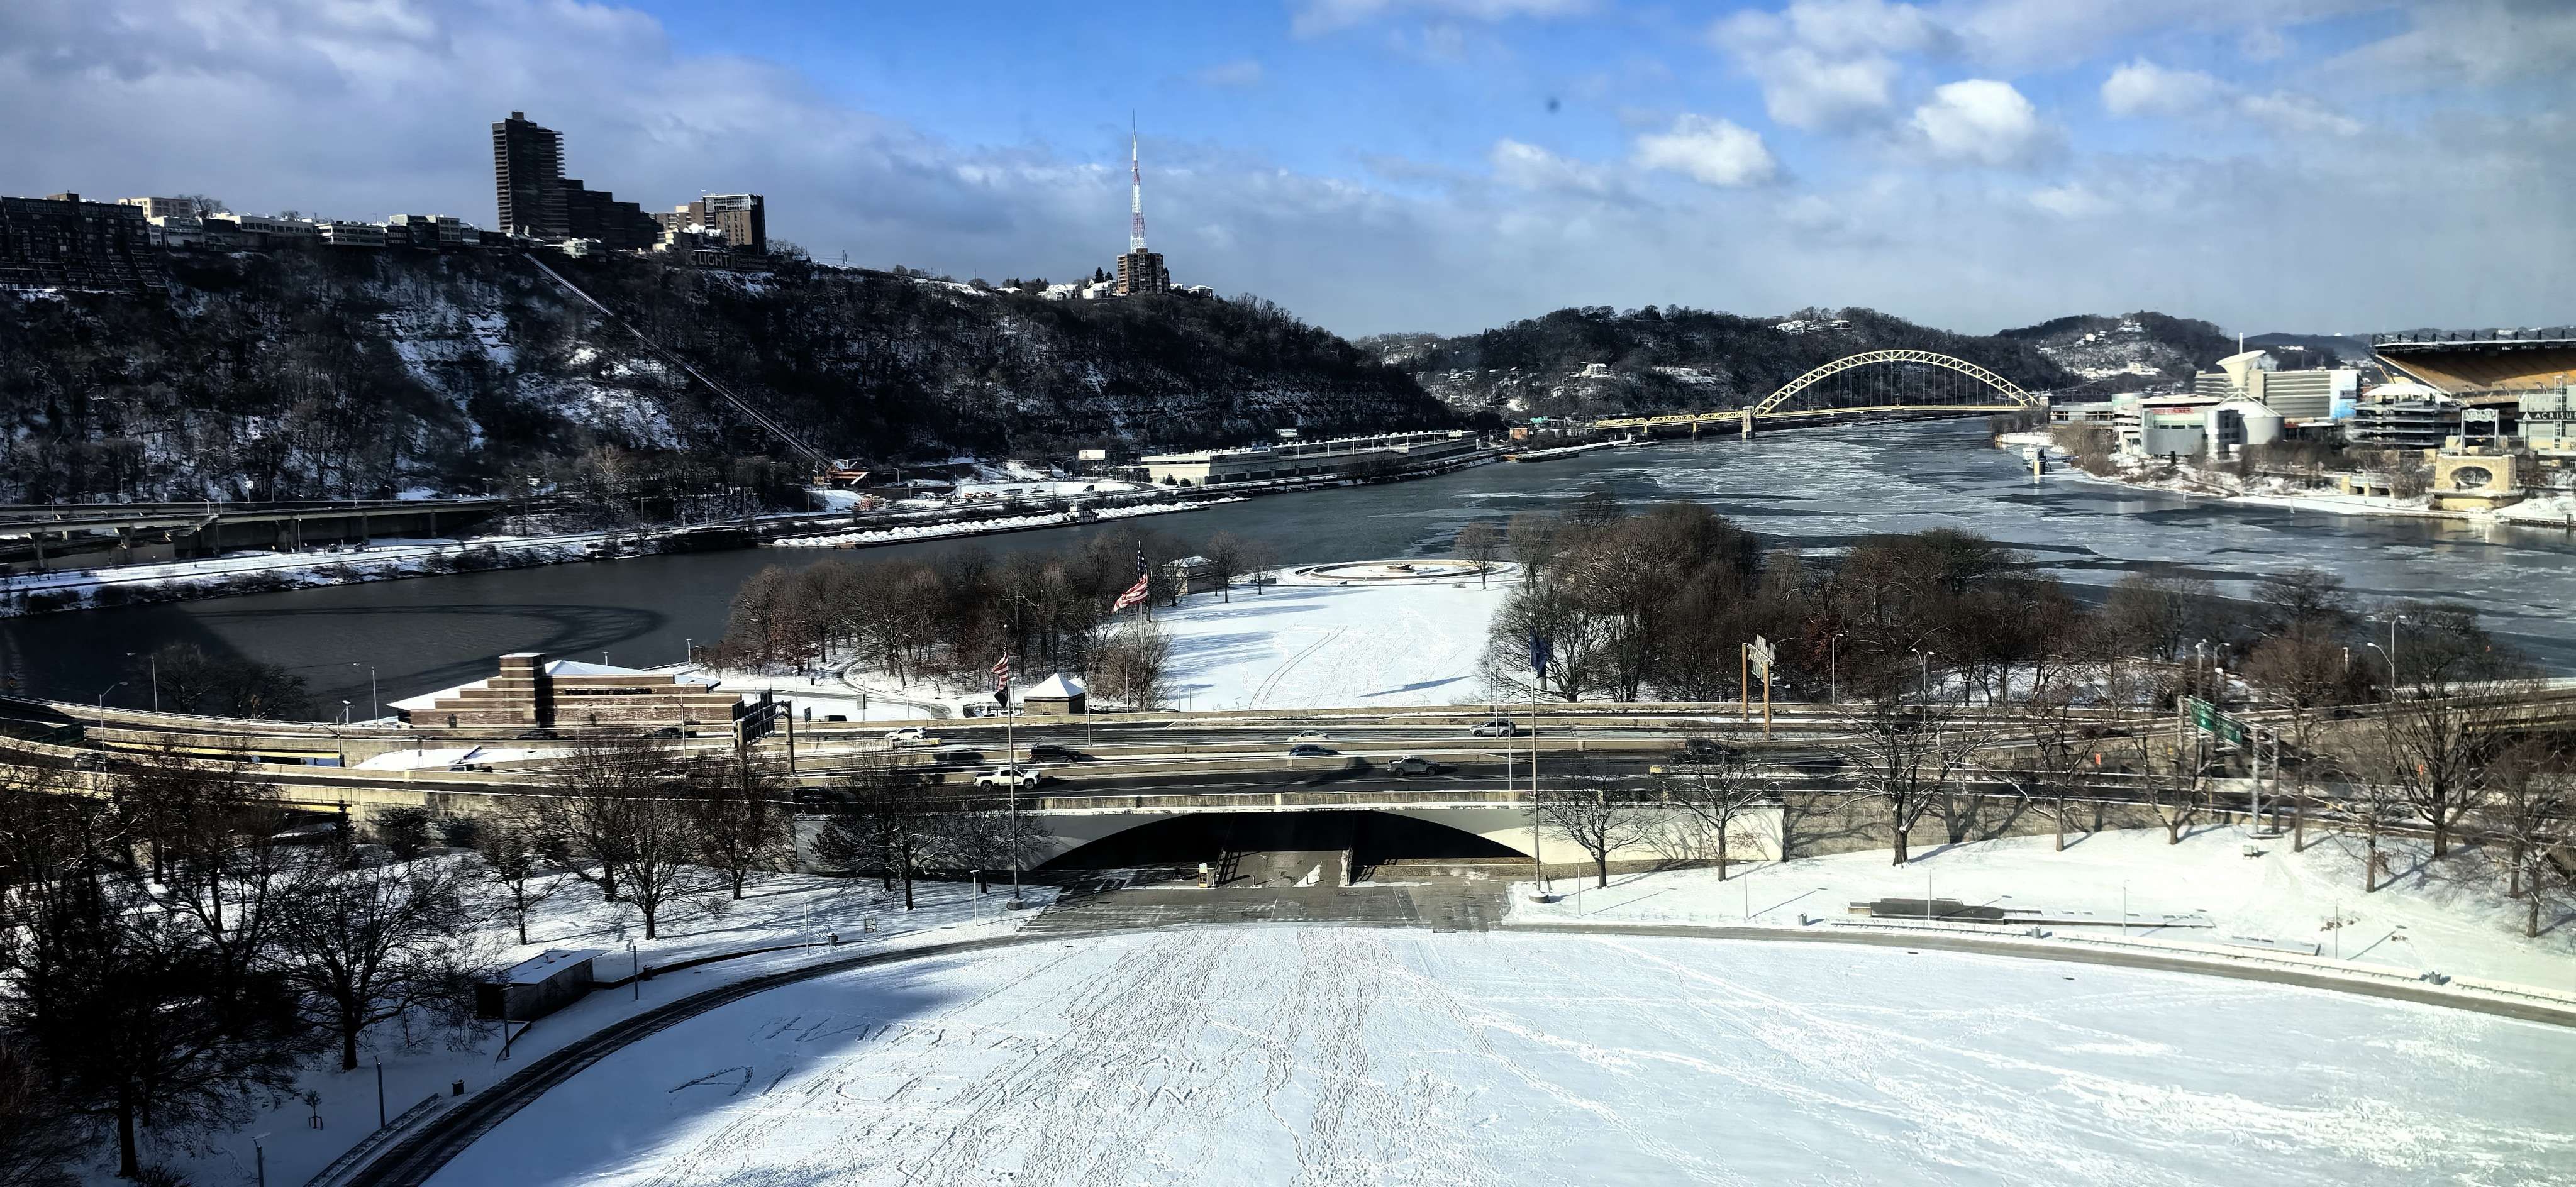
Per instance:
(1536,540)
(1131,665)
(626,820)
(1482,543)
(2436,749)
(1258,558)
(2369,804)
(372,943)
(1905,756)
(2532,811)
(2302,672)
(887,821)
(2175,782)
(741,825)
(1224,553)
(1712,792)
(1597,823)
(513,846)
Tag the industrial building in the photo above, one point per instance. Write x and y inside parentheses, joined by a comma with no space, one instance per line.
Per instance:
(1305,459)
(2255,375)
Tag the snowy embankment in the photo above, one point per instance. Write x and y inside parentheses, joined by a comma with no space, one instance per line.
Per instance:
(1280,1054)
(2446,917)
(2548,507)
(264,571)
(779,909)
(979,527)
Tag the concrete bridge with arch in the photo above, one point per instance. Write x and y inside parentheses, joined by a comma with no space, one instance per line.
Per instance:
(1878,382)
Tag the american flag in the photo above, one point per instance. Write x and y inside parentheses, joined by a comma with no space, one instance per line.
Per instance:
(1135,594)
(1002,672)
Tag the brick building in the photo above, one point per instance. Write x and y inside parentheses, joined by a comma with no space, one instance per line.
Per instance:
(531,692)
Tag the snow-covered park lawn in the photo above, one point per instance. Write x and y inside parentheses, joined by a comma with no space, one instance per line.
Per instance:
(2449,917)
(1273,1054)
(1299,645)
(779,909)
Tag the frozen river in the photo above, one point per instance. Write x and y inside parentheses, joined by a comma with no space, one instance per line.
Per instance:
(1816,489)
(1273,1054)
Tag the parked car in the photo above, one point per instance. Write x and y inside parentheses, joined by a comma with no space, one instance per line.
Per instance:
(669,731)
(538,735)
(1307,750)
(1496,729)
(1008,777)
(1307,736)
(1413,764)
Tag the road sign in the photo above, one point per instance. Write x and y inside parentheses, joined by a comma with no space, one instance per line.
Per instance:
(2206,718)
(1762,651)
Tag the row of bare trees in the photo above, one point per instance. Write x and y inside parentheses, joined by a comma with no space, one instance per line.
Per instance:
(945,620)
(173,949)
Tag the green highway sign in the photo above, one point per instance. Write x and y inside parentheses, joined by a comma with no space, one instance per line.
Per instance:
(2206,718)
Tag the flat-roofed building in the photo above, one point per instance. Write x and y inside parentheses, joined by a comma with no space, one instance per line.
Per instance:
(352,234)
(1141,273)
(531,691)
(62,241)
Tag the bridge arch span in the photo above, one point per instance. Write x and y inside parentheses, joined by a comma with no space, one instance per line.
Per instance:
(1790,390)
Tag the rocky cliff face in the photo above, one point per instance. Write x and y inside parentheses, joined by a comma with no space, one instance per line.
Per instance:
(356,373)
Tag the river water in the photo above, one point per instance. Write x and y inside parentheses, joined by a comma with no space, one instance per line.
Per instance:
(1817,489)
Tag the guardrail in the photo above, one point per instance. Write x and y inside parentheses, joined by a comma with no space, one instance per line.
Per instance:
(358,1155)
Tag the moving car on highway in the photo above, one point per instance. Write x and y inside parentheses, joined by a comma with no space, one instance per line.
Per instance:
(1496,729)
(1008,777)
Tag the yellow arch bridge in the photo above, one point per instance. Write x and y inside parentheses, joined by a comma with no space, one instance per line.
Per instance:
(1876,381)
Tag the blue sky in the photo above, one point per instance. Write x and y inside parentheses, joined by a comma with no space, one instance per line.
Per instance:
(1377,165)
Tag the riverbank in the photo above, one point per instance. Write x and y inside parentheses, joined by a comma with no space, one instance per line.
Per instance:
(2548,508)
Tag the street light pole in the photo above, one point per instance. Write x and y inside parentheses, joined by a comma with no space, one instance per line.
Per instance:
(1833,668)
(102,693)
(375,700)
(2392,668)
(380,1090)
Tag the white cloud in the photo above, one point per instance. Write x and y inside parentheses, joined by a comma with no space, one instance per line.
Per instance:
(1826,64)
(1981,121)
(2071,200)
(1712,151)
(2297,115)
(1326,16)
(2476,42)
(1241,72)
(2143,88)
(1529,167)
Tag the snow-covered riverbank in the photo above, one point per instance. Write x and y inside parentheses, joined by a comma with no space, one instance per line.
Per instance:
(2552,507)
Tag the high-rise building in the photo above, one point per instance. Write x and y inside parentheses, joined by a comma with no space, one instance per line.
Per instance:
(527,167)
(1139,271)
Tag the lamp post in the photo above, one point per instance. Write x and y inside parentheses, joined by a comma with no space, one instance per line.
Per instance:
(380,1090)
(2392,669)
(344,712)
(154,660)
(375,700)
(1833,668)
(1926,658)
(102,693)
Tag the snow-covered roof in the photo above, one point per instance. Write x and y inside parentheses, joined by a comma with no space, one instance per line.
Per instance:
(560,667)
(1056,686)
(2400,390)
(535,969)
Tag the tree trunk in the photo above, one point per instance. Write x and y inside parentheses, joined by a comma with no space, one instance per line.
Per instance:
(348,1047)
(649,913)
(2173,831)
(2441,836)
(1900,846)
(1601,871)
(127,1165)
(2513,870)
(2299,826)
(737,885)
(2531,915)
(907,887)
(2060,814)
(2370,866)
(1721,853)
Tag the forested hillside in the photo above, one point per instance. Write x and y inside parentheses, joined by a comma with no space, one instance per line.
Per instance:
(361,373)
(1597,362)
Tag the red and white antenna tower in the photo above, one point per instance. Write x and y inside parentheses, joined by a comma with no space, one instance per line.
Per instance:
(1135,192)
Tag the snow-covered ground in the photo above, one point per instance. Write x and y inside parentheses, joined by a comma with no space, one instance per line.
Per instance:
(2547,506)
(777,909)
(1274,1054)
(2449,917)
(1304,644)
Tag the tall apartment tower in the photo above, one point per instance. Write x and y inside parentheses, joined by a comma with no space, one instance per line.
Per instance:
(1139,271)
(527,172)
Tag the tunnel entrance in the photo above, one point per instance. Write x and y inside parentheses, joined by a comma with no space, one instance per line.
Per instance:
(1311,848)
